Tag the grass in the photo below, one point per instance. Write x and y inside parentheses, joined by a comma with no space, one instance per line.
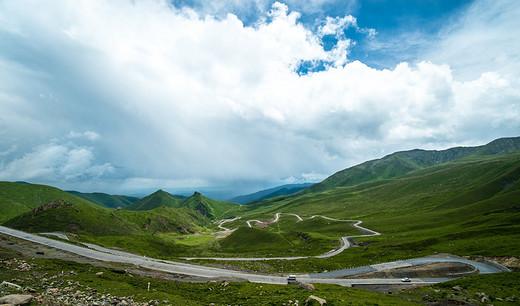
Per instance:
(466,208)
(117,282)
(210,208)
(498,287)
(284,238)
(93,220)
(106,200)
(18,198)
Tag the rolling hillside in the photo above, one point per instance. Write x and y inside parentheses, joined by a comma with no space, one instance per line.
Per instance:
(210,208)
(156,199)
(63,216)
(462,200)
(269,193)
(401,163)
(106,200)
(18,198)
(467,207)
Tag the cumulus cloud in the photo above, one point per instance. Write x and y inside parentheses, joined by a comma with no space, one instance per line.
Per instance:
(54,162)
(145,93)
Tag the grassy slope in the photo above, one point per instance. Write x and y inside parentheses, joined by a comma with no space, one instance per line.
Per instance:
(269,193)
(17,198)
(115,282)
(106,200)
(287,237)
(154,200)
(498,287)
(468,207)
(400,163)
(206,206)
(211,208)
(97,221)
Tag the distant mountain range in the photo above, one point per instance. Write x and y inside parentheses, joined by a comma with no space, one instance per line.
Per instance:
(206,206)
(106,200)
(269,193)
(462,200)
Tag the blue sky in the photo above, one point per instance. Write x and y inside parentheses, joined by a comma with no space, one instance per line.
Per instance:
(229,97)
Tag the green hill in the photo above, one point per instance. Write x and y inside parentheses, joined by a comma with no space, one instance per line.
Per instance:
(462,200)
(18,198)
(247,239)
(106,200)
(401,163)
(468,207)
(210,208)
(89,220)
(269,193)
(156,199)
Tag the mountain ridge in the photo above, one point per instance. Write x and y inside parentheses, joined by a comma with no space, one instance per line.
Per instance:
(402,162)
(271,192)
(157,199)
(206,206)
(106,200)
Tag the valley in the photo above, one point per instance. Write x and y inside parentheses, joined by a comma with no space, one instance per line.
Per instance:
(434,211)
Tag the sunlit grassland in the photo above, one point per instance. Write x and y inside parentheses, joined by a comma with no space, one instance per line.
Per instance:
(18,198)
(287,237)
(465,208)
(468,207)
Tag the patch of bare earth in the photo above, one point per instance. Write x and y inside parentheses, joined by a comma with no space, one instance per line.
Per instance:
(430,270)
(510,262)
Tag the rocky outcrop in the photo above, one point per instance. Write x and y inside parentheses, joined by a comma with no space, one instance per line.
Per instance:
(318,299)
(52,205)
(306,286)
(16,299)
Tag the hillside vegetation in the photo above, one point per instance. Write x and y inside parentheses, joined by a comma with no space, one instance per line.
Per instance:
(269,193)
(466,207)
(462,200)
(18,198)
(154,200)
(206,206)
(90,220)
(106,200)
(400,163)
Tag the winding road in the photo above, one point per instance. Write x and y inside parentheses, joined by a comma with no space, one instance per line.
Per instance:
(344,242)
(108,255)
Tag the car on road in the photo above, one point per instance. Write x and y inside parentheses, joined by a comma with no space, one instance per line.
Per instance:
(406,280)
(291,278)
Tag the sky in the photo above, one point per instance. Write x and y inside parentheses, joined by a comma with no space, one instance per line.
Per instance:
(233,96)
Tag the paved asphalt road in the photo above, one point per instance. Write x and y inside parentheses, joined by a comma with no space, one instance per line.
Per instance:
(104,254)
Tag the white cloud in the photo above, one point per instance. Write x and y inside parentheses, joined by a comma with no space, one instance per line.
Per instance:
(334,26)
(485,38)
(154,95)
(54,162)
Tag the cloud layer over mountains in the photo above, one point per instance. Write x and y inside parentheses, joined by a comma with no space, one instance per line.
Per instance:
(124,95)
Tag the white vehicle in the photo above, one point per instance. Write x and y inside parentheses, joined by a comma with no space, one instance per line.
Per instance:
(406,280)
(291,278)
